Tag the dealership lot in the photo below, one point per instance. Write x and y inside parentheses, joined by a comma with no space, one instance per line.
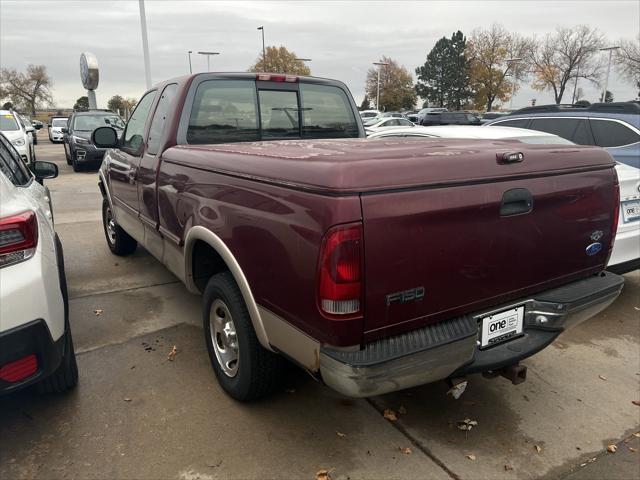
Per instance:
(138,414)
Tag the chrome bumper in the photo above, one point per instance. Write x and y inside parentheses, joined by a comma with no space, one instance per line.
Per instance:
(450,348)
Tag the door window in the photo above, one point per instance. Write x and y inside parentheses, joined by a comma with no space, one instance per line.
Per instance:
(563,127)
(517,123)
(612,134)
(160,118)
(134,134)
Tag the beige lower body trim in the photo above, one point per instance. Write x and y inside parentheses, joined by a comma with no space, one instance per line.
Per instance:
(289,340)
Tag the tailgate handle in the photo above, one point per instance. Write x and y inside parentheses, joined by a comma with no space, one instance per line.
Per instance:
(516,202)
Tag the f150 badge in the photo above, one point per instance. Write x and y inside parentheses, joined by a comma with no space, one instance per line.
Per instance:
(406,296)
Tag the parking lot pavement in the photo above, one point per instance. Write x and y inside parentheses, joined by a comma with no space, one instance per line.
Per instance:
(136,414)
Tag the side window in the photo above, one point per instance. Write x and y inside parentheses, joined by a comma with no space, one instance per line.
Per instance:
(518,123)
(582,135)
(133,135)
(224,111)
(160,118)
(612,134)
(279,113)
(11,164)
(326,112)
(563,127)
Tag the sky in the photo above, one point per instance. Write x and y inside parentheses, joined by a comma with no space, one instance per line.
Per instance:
(342,38)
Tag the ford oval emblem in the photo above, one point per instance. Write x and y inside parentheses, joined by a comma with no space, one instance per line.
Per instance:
(594,248)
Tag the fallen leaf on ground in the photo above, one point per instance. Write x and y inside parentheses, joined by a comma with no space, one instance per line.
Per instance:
(602,377)
(637,435)
(127,399)
(390,415)
(406,450)
(636,402)
(637,308)
(631,449)
(612,448)
(508,467)
(98,311)
(538,448)
(341,435)
(172,353)
(402,410)
(466,424)
(323,474)
(471,456)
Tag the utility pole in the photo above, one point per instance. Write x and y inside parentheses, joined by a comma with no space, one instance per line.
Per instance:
(208,55)
(145,44)
(606,81)
(575,86)
(189,55)
(264,56)
(380,65)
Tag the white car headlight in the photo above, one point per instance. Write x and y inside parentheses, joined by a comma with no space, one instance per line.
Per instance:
(18,142)
(80,140)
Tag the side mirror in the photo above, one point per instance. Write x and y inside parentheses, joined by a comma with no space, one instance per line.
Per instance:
(105,137)
(29,129)
(64,130)
(43,170)
(37,126)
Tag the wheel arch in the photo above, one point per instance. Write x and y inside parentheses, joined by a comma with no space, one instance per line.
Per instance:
(198,235)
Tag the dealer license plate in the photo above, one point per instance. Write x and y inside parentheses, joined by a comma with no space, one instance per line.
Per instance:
(630,210)
(502,326)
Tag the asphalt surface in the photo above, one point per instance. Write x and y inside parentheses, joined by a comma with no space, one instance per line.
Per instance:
(137,414)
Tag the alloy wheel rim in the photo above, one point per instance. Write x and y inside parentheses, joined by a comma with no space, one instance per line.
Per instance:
(111,227)
(224,338)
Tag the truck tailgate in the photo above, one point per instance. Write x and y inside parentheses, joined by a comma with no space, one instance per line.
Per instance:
(469,240)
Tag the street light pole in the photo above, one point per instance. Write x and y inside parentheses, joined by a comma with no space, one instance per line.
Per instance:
(575,86)
(264,56)
(380,65)
(145,44)
(513,90)
(606,81)
(208,55)
(189,54)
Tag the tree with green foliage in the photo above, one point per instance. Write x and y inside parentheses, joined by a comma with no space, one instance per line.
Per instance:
(116,103)
(444,78)
(280,60)
(365,105)
(396,86)
(82,103)
(608,97)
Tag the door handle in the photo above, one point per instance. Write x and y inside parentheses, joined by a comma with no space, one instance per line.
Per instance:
(516,202)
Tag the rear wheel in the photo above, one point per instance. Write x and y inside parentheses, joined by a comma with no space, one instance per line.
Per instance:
(119,241)
(244,369)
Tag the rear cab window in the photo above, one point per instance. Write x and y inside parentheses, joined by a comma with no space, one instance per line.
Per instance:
(225,111)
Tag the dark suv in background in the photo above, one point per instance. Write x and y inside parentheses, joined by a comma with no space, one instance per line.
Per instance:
(78,148)
(614,126)
(449,118)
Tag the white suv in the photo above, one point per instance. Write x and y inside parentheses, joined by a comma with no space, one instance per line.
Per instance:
(35,339)
(15,131)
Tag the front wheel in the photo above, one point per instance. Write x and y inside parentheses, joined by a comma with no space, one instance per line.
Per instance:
(66,154)
(119,241)
(244,369)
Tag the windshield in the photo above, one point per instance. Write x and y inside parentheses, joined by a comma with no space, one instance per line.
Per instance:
(8,123)
(88,123)
(59,122)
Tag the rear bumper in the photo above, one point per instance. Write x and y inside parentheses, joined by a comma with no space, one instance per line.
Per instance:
(450,348)
(33,338)
(625,256)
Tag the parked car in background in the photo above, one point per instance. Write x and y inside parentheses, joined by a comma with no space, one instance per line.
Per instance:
(386,122)
(13,128)
(78,148)
(625,256)
(367,114)
(393,114)
(486,117)
(450,118)
(410,262)
(56,124)
(412,116)
(37,124)
(425,111)
(30,128)
(614,126)
(35,338)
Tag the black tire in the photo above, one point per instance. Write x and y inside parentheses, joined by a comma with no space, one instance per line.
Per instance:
(119,242)
(33,155)
(75,165)
(259,371)
(67,156)
(65,377)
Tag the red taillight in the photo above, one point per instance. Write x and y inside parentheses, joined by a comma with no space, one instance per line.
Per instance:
(340,271)
(19,369)
(270,77)
(18,237)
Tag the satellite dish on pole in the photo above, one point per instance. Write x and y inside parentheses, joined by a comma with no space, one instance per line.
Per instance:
(90,76)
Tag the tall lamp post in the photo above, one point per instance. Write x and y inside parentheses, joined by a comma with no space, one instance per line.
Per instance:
(208,55)
(145,44)
(513,90)
(575,86)
(606,81)
(380,65)
(264,56)
(189,55)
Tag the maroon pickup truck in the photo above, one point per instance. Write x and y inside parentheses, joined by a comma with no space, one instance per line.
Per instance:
(375,266)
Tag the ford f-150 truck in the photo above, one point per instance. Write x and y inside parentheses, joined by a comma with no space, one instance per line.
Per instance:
(375,266)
